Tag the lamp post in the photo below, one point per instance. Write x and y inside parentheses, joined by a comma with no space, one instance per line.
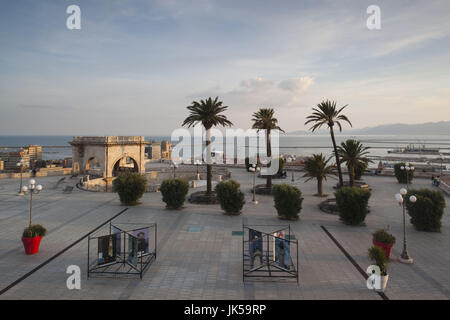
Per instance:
(174,166)
(254,168)
(440,168)
(33,188)
(401,199)
(407,169)
(20,166)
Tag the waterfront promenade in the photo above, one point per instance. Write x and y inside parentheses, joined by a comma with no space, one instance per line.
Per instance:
(207,264)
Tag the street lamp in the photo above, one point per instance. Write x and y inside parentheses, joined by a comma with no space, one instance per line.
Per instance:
(407,168)
(254,168)
(442,161)
(401,199)
(174,166)
(33,188)
(20,165)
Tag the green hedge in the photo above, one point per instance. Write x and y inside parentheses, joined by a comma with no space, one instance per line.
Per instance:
(288,201)
(426,213)
(383,237)
(352,203)
(174,192)
(230,197)
(401,174)
(35,230)
(377,255)
(130,186)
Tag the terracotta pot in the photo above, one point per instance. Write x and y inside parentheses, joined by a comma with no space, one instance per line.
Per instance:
(387,248)
(31,245)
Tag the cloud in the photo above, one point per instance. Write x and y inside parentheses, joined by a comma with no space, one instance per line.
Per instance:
(298,85)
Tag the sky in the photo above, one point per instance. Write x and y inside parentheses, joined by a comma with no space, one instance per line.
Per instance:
(135,65)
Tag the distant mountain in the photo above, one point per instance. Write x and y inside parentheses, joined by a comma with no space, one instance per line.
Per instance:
(429,128)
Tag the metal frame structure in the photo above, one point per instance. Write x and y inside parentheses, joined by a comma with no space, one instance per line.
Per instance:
(121,266)
(269,270)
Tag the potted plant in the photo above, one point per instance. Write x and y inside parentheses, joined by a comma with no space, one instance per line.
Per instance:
(31,238)
(376,254)
(32,235)
(384,240)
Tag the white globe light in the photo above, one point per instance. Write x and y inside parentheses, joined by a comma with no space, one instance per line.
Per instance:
(408,168)
(402,167)
(399,198)
(413,199)
(38,187)
(412,168)
(252,169)
(403,191)
(32,181)
(24,189)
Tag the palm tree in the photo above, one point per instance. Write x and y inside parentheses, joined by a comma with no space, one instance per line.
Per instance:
(327,114)
(353,153)
(264,120)
(317,167)
(208,113)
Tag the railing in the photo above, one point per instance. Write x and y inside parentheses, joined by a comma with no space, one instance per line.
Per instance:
(109,139)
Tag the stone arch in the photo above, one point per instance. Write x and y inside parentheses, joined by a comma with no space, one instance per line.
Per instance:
(124,163)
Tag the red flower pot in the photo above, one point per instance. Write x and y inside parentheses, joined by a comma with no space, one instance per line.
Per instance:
(387,248)
(31,245)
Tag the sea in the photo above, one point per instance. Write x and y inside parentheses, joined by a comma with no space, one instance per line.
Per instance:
(57,147)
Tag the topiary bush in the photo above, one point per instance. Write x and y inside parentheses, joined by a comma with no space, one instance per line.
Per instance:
(359,170)
(376,254)
(288,201)
(230,197)
(352,203)
(130,186)
(383,237)
(35,230)
(426,213)
(174,192)
(402,174)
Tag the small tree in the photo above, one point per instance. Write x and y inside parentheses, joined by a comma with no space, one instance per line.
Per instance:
(426,213)
(230,197)
(317,167)
(352,204)
(281,165)
(288,201)
(359,170)
(402,174)
(130,186)
(376,254)
(174,192)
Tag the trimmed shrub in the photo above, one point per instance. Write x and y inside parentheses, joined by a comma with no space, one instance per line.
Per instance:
(426,213)
(401,174)
(230,197)
(281,165)
(288,201)
(35,230)
(383,237)
(352,203)
(174,192)
(359,170)
(376,254)
(130,186)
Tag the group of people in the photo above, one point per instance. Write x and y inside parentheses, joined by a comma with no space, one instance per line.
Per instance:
(435,181)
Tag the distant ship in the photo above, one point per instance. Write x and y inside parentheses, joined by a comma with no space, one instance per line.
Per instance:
(411,149)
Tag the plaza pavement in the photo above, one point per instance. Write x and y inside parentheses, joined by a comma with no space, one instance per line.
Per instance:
(208,264)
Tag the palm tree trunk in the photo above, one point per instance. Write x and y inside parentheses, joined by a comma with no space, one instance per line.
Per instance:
(351,175)
(269,156)
(338,162)
(320,187)
(208,163)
